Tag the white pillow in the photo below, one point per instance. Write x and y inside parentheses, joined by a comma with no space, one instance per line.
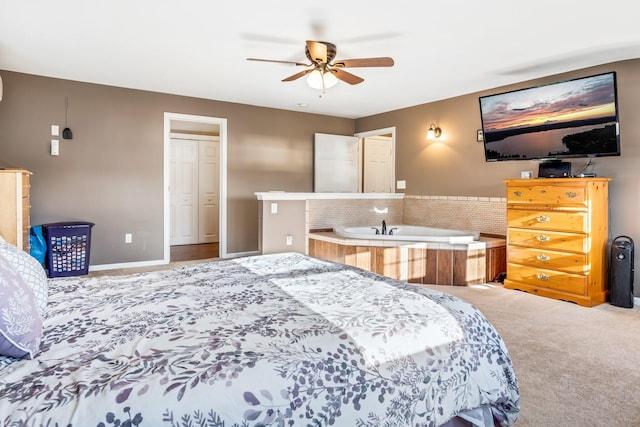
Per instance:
(20,322)
(31,272)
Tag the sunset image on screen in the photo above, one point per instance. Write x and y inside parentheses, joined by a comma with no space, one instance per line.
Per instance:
(570,118)
(568,101)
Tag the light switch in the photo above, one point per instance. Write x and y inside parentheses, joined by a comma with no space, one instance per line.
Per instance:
(55,147)
(274,208)
(55,130)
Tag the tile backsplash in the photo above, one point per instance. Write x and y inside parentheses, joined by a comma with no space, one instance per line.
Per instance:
(354,212)
(479,214)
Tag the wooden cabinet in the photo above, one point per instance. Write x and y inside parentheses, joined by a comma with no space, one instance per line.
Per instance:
(15,215)
(557,231)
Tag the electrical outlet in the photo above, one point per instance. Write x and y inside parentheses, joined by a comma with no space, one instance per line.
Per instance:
(289,240)
(128,238)
(274,208)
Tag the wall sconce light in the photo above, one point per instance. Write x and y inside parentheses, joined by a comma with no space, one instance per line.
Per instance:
(434,132)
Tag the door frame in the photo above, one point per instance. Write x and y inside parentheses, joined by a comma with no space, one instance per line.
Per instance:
(222,123)
(380,132)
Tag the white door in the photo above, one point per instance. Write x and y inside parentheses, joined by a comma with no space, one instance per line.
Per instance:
(336,163)
(377,164)
(209,183)
(184,192)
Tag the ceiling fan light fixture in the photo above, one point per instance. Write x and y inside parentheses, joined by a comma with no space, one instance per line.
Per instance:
(318,79)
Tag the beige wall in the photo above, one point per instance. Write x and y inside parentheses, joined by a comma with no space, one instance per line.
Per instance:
(455,165)
(290,219)
(111,172)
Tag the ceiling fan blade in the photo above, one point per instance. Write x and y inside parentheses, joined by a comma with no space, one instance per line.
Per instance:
(279,62)
(364,62)
(347,77)
(317,51)
(296,76)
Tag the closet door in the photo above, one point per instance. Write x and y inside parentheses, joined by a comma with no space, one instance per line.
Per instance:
(377,164)
(209,197)
(184,192)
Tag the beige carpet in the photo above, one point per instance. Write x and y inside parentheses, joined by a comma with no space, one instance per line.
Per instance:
(576,366)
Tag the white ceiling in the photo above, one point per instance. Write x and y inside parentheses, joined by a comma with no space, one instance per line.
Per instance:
(199,47)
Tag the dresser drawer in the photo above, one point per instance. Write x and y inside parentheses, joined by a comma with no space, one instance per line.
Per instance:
(548,195)
(548,220)
(548,240)
(551,279)
(553,260)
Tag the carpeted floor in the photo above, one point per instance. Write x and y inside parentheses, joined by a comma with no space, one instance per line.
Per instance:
(576,366)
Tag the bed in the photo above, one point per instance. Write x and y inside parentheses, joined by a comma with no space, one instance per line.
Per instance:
(269,340)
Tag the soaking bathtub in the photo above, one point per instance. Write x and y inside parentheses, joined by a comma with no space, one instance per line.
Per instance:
(408,233)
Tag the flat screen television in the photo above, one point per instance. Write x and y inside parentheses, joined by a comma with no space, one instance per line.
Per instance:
(567,119)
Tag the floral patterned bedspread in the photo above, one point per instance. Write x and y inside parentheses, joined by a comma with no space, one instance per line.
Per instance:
(273,340)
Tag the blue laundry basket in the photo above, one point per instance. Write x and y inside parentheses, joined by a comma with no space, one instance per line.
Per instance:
(68,248)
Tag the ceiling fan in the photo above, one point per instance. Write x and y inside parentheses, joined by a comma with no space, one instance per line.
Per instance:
(323,72)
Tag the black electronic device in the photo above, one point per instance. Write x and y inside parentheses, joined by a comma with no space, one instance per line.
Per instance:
(621,272)
(567,119)
(554,170)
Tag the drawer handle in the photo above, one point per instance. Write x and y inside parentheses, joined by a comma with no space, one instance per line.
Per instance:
(543,218)
(542,276)
(543,257)
(571,194)
(542,238)
(517,193)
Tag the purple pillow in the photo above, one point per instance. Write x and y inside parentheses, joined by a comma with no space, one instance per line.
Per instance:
(20,318)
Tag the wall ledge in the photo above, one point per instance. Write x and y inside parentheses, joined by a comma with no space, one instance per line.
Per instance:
(282,195)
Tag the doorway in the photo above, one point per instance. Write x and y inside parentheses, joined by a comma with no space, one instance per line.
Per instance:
(378,174)
(194,187)
(341,166)
(201,128)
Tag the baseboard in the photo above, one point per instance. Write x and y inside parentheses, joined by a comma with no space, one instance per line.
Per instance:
(102,267)
(152,263)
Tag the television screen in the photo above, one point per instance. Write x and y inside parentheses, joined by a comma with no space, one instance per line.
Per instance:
(573,118)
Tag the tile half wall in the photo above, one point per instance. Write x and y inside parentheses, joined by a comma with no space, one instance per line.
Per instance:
(482,214)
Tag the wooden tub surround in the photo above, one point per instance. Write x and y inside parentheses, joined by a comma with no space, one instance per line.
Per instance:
(458,264)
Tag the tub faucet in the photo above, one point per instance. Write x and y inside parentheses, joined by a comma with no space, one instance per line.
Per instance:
(391,231)
(384,227)
(377,231)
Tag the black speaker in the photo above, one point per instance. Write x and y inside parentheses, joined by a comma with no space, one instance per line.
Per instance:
(621,272)
(554,169)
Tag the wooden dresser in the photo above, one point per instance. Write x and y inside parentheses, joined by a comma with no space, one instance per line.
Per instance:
(15,213)
(557,231)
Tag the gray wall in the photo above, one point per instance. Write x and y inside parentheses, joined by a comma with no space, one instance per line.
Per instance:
(454,165)
(111,172)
